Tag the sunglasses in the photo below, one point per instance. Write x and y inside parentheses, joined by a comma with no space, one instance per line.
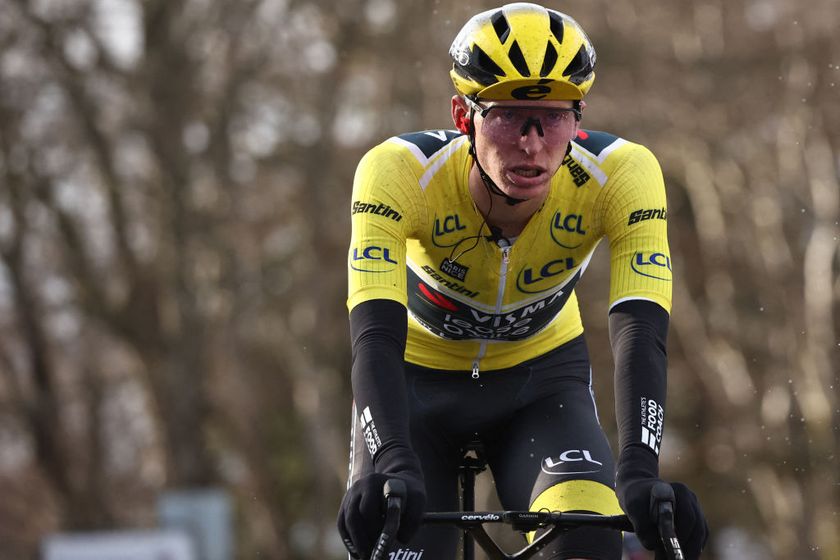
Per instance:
(514,121)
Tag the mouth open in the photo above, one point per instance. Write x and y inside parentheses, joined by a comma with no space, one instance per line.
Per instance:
(526,175)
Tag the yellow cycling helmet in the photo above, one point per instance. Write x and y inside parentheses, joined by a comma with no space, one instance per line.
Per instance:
(522,51)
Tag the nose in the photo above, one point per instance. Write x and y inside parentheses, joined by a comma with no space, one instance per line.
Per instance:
(531,121)
(532,139)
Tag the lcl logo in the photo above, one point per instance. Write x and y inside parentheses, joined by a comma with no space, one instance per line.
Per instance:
(652,265)
(449,224)
(563,224)
(572,461)
(530,280)
(372,253)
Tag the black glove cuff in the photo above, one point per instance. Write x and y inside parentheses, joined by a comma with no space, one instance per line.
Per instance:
(635,462)
(398,458)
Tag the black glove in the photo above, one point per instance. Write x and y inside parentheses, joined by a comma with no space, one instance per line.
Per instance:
(690,524)
(362,513)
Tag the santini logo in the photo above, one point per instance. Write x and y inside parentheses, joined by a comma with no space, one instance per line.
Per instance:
(405,554)
(454,286)
(378,209)
(650,214)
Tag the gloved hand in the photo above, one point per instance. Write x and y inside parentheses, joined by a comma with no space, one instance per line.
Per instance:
(362,513)
(690,523)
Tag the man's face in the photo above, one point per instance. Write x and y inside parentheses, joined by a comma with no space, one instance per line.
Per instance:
(521,144)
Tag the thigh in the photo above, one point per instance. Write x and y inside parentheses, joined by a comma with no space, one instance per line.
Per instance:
(554,455)
(448,410)
(439,457)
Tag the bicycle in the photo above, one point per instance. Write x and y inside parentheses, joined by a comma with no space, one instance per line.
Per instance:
(472,522)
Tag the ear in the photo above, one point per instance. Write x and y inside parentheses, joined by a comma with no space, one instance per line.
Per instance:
(463,124)
(460,114)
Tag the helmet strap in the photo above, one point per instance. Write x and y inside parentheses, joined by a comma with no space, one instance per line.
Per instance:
(576,106)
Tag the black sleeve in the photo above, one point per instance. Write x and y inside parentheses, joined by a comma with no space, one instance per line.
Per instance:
(638,333)
(378,330)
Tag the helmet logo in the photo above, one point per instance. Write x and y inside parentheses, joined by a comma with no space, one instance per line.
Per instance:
(462,57)
(530,92)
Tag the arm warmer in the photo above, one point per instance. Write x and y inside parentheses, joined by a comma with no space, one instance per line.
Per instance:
(378,330)
(638,332)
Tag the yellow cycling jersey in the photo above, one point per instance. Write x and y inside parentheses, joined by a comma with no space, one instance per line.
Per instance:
(473,303)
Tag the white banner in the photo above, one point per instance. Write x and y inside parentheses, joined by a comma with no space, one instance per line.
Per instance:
(122,545)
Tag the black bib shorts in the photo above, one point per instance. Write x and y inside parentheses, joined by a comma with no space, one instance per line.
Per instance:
(542,439)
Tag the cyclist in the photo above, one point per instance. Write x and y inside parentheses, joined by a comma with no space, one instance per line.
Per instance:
(466,248)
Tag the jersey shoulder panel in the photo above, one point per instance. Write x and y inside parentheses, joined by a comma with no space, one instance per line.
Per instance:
(607,152)
(634,182)
(425,144)
(414,155)
(441,160)
(634,174)
(595,142)
(593,156)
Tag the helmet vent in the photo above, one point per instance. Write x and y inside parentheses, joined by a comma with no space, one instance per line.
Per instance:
(556,24)
(518,60)
(549,61)
(580,67)
(482,68)
(501,26)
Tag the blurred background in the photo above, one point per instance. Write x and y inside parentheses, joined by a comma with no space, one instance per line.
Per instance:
(175,181)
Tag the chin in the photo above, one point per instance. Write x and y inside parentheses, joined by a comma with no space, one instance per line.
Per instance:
(527,193)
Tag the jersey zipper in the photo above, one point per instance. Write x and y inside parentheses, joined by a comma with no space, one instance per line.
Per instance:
(500,297)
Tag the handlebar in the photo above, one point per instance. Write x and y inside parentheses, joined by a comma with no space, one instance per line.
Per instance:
(662,506)
(662,503)
(394,493)
(528,520)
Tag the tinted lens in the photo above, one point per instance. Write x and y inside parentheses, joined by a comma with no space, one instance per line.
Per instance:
(514,122)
